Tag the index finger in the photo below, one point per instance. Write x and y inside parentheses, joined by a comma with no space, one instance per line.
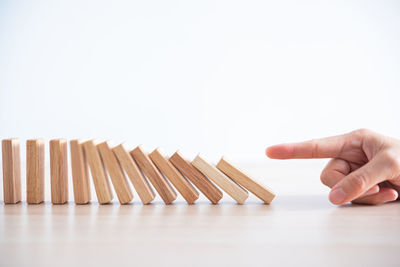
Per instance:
(328,147)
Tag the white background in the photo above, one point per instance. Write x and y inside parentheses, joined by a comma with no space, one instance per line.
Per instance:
(218,77)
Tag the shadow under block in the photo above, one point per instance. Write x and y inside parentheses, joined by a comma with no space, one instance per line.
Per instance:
(11,171)
(99,175)
(262,192)
(196,177)
(80,172)
(164,189)
(117,176)
(139,182)
(221,180)
(35,171)
(58,171)
(184,187)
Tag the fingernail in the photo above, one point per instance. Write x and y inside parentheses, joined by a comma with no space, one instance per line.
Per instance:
(337,196)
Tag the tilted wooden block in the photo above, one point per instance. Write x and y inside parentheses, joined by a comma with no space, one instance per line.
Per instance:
(184,187)
(220,179)
(140,183)
(58,171)
(11,171)
(196,177)
(164,189)
(99,175)
(35,171)
(262,192)
(80,172)
(117,176)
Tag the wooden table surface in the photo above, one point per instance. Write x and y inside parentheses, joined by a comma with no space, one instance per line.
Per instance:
(296,229)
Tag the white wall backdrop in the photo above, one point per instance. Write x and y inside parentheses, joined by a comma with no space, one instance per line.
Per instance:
(221,77)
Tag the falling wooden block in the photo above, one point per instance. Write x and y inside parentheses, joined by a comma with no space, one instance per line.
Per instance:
(162,186)
(117,176)
(35,171)
(184,187)
(80,172)
(262,192)
(58,171)
(220,179)
(196,177)
(11,171)
(99,175)
(140,183)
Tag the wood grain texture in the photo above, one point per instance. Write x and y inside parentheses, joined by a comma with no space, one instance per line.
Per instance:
(58,171)
(99,175)
(164,189)
(261,191)
(184,187)
(80,172)
(196,177)
(35,171)
(118,179)
(220,179)
(11,171)
(140,183)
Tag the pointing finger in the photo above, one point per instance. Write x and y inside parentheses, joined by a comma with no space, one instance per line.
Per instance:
(329,147)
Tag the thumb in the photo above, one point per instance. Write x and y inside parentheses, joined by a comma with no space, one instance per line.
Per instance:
(361,180)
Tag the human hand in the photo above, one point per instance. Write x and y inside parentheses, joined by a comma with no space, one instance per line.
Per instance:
(364,169)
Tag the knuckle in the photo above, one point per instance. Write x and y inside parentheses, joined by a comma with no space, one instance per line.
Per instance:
(315,148)
(358,182)
(324,178)
(363,132)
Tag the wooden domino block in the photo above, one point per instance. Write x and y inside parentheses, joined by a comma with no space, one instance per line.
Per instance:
(80,172)
(196,177)
(220,179)
(262,192)
(35,171)
(162,186)
(140,183)
(99,175)
(117,176)
(58,171)
(184,187)
(11,171)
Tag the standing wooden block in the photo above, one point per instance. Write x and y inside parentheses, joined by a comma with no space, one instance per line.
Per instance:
(164,189)
(58,171)
(140,183)
(11,171)
(262,192)
(184,187)
(118,178)
(99,175)
(196,177)
(226,184)
(80,172)
(35,171)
